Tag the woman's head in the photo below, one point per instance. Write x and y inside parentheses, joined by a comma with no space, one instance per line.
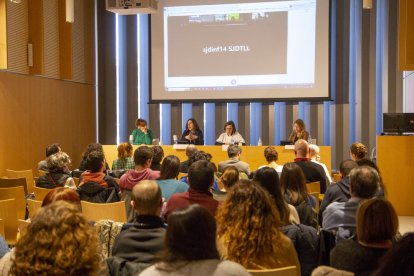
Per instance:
(358,151)
(191,235)
(140,123)
(92,147)
(230,128)
(61,193)
(229,177)
(158,154)
(299,126)
(125,150)
(292,179)
(377,221)
(192,124)
(170,167)
(58,162)
(58,241)
(270,154)
(269,180)
(248,222)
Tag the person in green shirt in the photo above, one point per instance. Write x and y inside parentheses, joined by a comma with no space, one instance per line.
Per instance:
(142,134)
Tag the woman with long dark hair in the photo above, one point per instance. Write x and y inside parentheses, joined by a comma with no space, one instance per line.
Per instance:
(167,181)
(192,133)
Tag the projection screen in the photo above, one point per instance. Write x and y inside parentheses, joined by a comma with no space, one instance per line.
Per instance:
(240,51)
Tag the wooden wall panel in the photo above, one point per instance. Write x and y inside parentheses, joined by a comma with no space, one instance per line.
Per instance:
(35,18)
(3,35)
(406,36)
(89,40)
(38,111)
(65,42)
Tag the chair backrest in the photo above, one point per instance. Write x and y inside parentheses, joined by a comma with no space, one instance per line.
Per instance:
(76,180)
(97,211)
(336,177)
(314,187)
(22,225)
(283,271)
(14,182)
(40,193)
(2,227)
(18,194)
(28,174)
(8,213)
(33,206)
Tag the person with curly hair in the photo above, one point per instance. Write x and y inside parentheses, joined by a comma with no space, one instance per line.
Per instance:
(58,241)
(58,173)
(190,247)
(358,151)
(124,161)
(248,230)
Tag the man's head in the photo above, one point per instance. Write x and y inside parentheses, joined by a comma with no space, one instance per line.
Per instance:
(201,175)
(301,149)
(346,167)
(52,149)
(314,152)
(190,150)
(95,161)
(364,182)
(234,151)
(143,156)
(146,198)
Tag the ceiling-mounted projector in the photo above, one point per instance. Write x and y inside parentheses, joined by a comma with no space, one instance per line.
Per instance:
(127,7)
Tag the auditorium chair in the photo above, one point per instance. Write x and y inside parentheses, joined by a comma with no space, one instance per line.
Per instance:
(22,225)
(33,206)
(314,187)
(28,174)
(8,213)
(98,211)
(16,193)
(14,182)
(283,271)
(40,193)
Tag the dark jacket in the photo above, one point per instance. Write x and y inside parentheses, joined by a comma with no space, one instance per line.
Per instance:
(338,192)
(184,166)
(52,180)
(306,242)
(93,192)
(198,141)
(137,244)
(313,172)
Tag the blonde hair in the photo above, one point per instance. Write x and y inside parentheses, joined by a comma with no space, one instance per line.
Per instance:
(58,162)
(124,150)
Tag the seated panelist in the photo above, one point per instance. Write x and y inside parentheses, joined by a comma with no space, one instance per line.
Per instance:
(298,132)
(142,134)
(192,134)
(230,135)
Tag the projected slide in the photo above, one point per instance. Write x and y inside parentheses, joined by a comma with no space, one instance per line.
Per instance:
(264,50)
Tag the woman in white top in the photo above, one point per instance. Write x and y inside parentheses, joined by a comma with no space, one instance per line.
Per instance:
(230,136)
(271,155)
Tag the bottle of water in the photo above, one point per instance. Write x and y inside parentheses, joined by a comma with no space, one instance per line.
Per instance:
(131,139)
(310,139)
(259,143)
(175,139)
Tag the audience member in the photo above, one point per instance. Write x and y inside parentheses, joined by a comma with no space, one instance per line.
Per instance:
(230,136)
(51,149)
(313,172)
(190,247)
(315,157)
(58,173)
(271,155)
(58,241)
(234,152)
(168,177)
(399,260)
(298,131)
(248,230)
(142,159)
(377,225)
(338,192)
(269,180)
(200,178)
(157,156)
(340,216)
(4,248)
(141,240)
(95,185)
(189,151)
(91,147)
(229,177)
(124,161)
(64,194)
(295,192)
(358,151)
(192,133)
(142,135)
